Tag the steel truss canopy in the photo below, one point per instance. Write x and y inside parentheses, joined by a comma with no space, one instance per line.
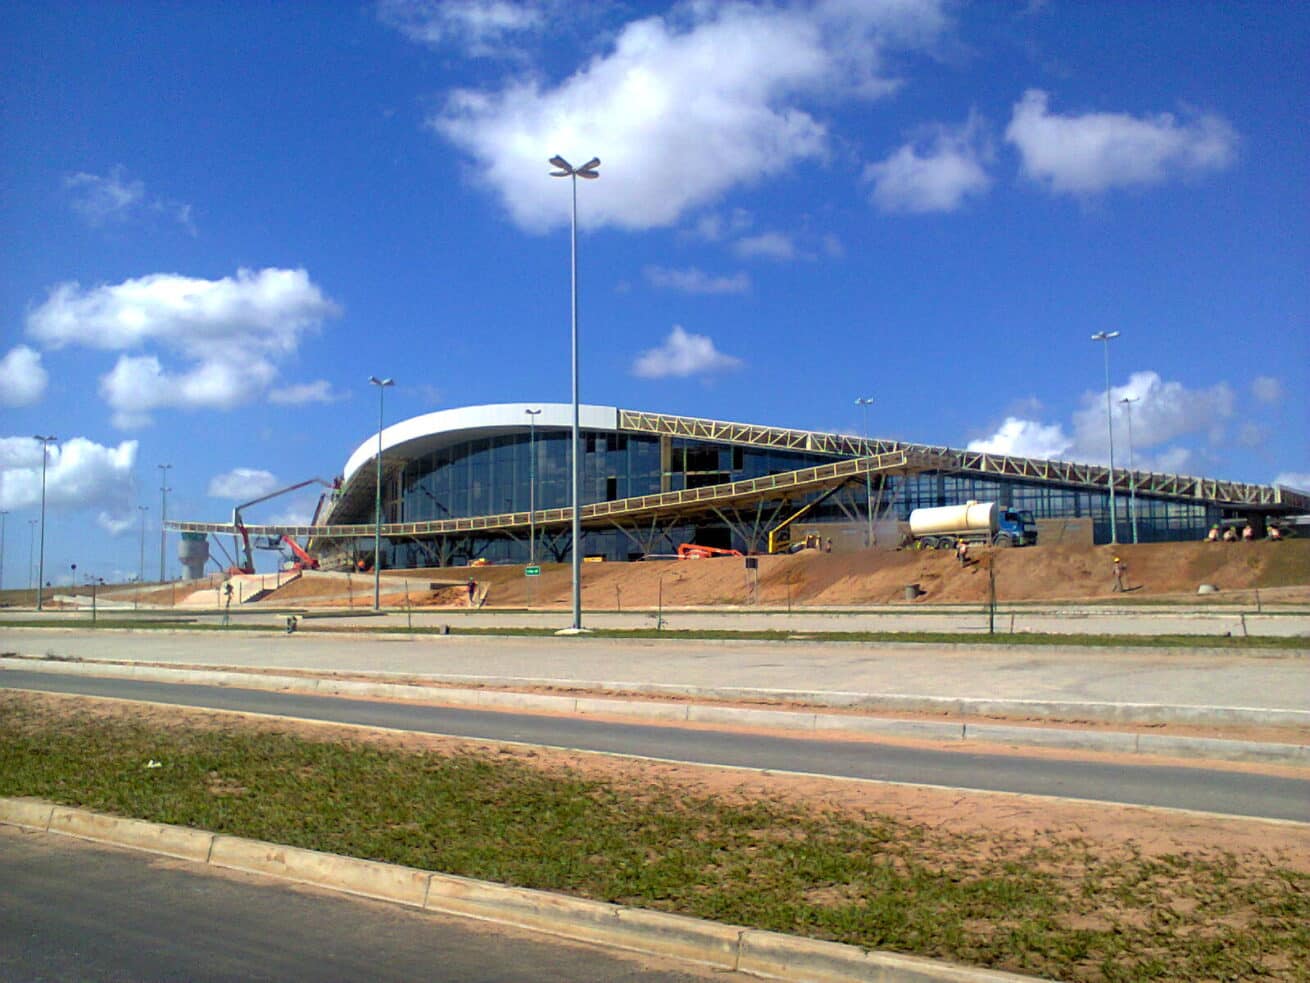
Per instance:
(856,457)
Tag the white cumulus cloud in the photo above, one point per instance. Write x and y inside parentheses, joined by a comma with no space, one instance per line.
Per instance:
(683,354)
(768,245)
(114,198)
(1300,480)
(230,334)
(1025,438)
(933,175)
(1266,389)
(683,107)
(242,484)
(80,474)
(318,391)
(695,281)
(482,27)
(1096,151)
(23,378)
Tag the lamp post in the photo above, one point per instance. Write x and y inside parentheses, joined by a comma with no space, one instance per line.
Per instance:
(532,485)
(1127,402)
(1106,337)
(31,544)
(377,502)
(141,557)
(40,574)
(588,171)
(163,515)
(864,402)
(2,547)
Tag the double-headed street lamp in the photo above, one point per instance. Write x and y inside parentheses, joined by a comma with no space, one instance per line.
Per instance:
(141,557)
(163,515)
(1106,337)
(40,574)
(864,402)
(588,171)
(532,485)
(377,502)
(1127,403)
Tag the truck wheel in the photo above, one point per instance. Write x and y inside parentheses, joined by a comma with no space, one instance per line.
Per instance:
(1003,541)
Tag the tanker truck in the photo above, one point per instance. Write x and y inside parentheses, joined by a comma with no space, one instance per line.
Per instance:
(974,522)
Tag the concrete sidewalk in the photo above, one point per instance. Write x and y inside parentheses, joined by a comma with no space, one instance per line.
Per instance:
(1098,682)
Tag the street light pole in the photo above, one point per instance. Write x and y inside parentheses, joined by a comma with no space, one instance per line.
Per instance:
(163,515)
(2,548)
(588,171)
(377,502)
(141,557)
(40,576)
(31,544)
(864,402)
(1127,402)
(532,485)
(1106,337)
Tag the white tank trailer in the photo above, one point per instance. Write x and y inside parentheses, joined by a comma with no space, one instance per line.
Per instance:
(973,522)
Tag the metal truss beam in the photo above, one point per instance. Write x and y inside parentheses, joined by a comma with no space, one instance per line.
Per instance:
(1234,493)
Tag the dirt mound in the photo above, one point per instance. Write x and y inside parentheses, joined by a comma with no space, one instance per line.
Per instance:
(1062,572)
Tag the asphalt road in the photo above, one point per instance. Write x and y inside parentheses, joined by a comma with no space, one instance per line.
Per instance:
(1219,791)
(75,911)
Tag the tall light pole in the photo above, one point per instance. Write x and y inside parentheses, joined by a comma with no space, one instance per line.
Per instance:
(40,570)
(588,171)
(163,515)
(31,544)
(141,558)
(1127,402)
(377,501)
(532,485)
(2,548)
(864,402)
(1106,337)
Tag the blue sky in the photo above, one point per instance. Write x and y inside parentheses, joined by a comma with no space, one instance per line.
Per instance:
(221,219)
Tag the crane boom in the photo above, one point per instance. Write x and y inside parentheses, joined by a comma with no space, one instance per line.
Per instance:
(243,547)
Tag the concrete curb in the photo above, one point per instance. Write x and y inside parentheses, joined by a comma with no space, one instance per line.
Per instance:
(770,955)
(1118,742)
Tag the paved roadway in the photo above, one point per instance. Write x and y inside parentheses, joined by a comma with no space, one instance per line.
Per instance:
(74,911)
(1223,791)
(823,672)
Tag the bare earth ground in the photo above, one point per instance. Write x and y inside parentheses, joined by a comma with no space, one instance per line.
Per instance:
(1280,571)
(1152,832)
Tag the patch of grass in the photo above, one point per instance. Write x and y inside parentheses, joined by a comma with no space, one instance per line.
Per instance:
(1062,907)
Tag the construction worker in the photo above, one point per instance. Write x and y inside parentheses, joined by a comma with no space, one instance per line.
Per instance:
(1230,535)
(473,590)
(1248,533)
(1120,568)
(962,552)
(1275,533)
(1213,535)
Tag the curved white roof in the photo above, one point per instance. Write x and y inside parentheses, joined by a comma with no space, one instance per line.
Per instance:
(426,433)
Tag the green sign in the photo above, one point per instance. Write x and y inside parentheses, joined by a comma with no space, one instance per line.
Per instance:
(532,571)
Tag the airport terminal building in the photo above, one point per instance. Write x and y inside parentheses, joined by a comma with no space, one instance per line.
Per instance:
(484,482)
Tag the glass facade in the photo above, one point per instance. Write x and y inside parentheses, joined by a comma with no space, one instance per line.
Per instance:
(495,475)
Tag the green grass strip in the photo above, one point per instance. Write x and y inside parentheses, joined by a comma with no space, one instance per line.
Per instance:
(1058,906)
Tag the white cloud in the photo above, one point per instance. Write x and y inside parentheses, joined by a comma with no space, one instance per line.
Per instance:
(1266,389)
(482,27)
(934,176)
(114,198)
(695,281)
(80,474)
(318,391)
(1300,480)
(1097,151)
(1164,411)
(682,107)
(231,331)
(1025,438)
(22,377)
(682,354)
(241,484)
(715,226)
(770,245)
